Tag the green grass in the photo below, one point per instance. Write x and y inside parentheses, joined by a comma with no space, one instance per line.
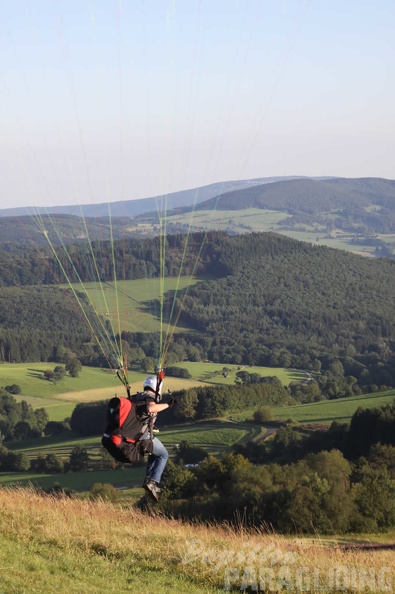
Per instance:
(210,434)
(327,411)
(130,302)
(29,377)
(34,387)
(59,400)
(215,436)
(249,219)
(205,372)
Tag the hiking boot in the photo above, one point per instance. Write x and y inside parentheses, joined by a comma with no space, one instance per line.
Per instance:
(152,489)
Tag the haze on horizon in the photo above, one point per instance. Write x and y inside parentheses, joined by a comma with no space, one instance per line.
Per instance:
(116,100)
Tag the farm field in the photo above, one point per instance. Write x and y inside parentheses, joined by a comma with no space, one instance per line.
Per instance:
(132,302)
(240,221)
(29,376)
(258,220)
(95,384)
(216,437)
(212,372)
(327,411)
(60,399)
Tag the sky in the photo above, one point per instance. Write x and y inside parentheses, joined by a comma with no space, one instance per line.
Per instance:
(107,100)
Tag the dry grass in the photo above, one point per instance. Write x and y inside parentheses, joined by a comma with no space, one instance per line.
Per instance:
(172,384)
(88,539)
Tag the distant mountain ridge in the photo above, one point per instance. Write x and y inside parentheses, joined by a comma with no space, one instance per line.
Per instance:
(131,208)
(308,195)
(363,208)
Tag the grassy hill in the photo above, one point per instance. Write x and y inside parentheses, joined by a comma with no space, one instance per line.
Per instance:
(70,546)
(340,410)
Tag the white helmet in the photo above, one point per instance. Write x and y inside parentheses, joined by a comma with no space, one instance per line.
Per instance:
(151,382)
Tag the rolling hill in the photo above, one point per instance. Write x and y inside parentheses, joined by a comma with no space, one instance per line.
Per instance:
(310,196)
(356,210)
(131,208)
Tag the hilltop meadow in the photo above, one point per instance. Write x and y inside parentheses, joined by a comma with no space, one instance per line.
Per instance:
(58,544)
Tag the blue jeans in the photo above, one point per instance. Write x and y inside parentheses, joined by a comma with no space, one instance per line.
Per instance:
(156,461)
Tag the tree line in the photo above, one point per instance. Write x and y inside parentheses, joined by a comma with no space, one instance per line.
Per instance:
(88,418)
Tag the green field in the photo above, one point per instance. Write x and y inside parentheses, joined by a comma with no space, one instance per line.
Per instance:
(257,220)
(212,372)
(60,399)
(94,384)
(239,221)
(29,376)
(130,302)
(327,411)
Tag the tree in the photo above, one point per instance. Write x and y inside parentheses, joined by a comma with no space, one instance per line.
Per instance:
(13,461)
(375,496)
(263,414)
(78,459)
(187,405)
(148,364)
(52,464)
(55,427)
(42,418)
(14,389)
(73,367)
(179,481)
(58,373)
(173,371)
(136,353)
(48,375)
(22,430)
(189,453)
(383,456)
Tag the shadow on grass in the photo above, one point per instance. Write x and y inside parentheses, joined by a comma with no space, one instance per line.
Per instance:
(36,373)
(52,441)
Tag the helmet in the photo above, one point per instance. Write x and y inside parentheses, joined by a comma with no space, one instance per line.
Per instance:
(151,382)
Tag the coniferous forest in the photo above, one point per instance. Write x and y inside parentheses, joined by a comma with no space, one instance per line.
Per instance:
(264,299)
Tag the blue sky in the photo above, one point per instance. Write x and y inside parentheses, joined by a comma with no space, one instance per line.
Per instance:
(104,100)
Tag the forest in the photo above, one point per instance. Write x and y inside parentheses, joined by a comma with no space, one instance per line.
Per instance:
(264,300)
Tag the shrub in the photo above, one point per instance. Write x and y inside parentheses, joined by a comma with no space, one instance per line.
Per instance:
(103,491)
(178,372)
(14,389)
(263,415)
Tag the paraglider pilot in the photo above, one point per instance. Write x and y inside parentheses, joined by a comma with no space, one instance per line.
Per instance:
(148,404)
